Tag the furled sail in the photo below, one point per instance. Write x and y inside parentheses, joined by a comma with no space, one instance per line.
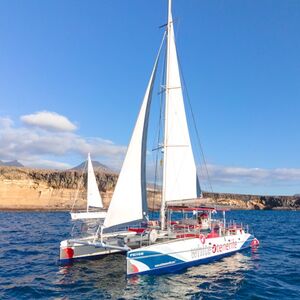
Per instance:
(180,177)
(93,195)
(129,201)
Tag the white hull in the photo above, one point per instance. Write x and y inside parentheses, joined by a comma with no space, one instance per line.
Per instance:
(91,247)
(88,215)
(178,254)
(70,250)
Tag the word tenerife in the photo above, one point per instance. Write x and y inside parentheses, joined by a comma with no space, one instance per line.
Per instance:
(215,248)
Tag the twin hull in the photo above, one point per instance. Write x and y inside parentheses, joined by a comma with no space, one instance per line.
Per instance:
(178,254)
(70,250)
(92,247)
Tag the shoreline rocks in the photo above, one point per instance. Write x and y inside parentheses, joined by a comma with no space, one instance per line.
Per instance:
(51,190)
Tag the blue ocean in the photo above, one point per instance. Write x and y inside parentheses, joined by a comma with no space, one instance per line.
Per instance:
(29,249)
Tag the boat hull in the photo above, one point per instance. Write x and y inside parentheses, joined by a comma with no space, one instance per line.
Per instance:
(179,254)
(93,247)
(88,215)
(70,250)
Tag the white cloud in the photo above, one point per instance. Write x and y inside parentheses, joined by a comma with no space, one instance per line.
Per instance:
(37,147)
(252,176)
(45,164)
(34,146)
(6,122)
(49,121)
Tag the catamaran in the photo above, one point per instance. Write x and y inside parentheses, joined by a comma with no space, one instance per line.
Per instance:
(186,234)
(125,223)
(94,207)
(199,237)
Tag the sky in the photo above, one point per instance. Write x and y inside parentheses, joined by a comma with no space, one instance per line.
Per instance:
(73,75)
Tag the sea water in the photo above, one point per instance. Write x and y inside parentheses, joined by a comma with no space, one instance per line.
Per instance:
(29,268)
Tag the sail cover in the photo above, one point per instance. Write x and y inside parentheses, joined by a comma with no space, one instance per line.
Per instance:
(93,195)
(180,176)
(129,201)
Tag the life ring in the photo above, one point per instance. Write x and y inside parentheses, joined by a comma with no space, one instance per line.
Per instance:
(202,238)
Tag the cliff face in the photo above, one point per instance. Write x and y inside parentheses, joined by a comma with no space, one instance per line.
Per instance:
(240,201)
(23,188)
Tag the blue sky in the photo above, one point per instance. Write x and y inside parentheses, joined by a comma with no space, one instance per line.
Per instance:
(84,65)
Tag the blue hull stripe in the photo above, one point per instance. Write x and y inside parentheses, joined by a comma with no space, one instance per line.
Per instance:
(153,259)
(179,265)
(247,243)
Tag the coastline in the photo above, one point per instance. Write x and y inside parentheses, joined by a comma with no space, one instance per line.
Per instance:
(23,189)
(55,210)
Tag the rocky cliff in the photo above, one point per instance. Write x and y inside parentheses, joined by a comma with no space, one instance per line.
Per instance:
(23,188)
(239,201)
(32,189)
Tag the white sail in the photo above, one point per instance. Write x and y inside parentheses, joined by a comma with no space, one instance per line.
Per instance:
(180,177)
(93,195)
(129,201)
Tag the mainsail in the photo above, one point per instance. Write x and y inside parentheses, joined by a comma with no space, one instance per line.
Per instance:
(93,195)
(180,176)
(129,201)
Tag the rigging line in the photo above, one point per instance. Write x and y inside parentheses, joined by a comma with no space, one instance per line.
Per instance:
(156,173)
(196,129)
(155,145)
(80,184)
(162,42)
(159,132)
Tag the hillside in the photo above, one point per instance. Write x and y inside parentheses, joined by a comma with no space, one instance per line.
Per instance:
(35,189)
(97,166)
(13,163)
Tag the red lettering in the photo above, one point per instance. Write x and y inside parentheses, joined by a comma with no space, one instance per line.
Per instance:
(214,248)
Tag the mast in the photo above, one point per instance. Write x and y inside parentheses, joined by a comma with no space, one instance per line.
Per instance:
(163,202)
(180,180)
(87,184)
